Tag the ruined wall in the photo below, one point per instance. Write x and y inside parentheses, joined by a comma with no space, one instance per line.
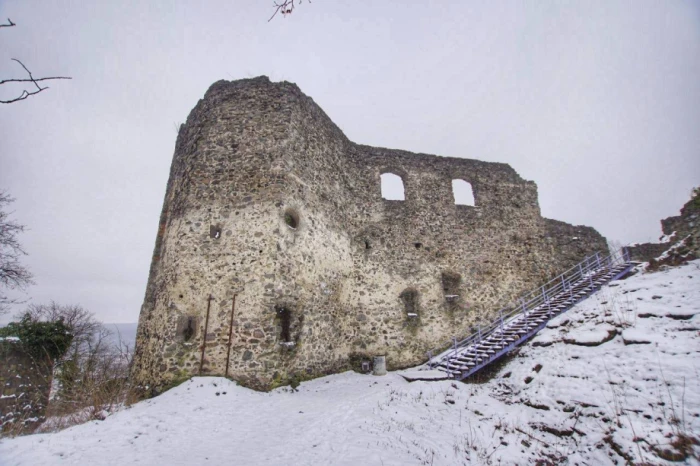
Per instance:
(682,237)
(268,201)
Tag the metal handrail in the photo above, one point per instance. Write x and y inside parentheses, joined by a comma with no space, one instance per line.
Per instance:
(573,277)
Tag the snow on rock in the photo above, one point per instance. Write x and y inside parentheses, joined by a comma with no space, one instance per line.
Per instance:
(545,339)
(591,334)
(613,403)
(633,336)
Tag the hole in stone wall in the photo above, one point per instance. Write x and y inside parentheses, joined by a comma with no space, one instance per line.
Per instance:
(187,327)
(215,231)
(462,192)
(284,315)
(450,285)
(392,187)
(418,245)
(291,219)
(367,245)
(189,330)
(409,297)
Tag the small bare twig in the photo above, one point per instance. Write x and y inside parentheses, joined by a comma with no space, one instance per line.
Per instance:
(532,437)
(31,79)
(286,7)
(8,25)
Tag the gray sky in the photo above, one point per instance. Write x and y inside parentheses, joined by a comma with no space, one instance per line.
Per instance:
(598,102)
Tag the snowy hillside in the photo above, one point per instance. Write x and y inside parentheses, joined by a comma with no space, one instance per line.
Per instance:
(615,380)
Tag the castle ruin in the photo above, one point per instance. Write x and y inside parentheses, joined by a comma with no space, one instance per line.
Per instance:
(277,258)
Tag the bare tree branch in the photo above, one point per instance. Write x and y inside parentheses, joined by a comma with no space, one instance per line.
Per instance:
(13,275)
(285,7)
(8,25)
(25,93)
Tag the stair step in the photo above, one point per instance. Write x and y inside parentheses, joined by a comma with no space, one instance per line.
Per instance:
(465,363)
(460,364)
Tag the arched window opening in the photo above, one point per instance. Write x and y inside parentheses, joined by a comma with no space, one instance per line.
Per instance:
(462,192)
(392,187)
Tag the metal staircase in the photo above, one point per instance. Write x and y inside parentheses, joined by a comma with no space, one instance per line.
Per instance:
(535,309)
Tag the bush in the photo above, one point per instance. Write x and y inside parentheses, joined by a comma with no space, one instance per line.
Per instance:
(41,340)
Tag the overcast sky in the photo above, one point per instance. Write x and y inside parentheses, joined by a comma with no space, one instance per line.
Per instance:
(598,102)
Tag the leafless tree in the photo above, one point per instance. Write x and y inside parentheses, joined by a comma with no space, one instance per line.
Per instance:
(35,88)
(285,7)
(92,377)
(83,325)
(13,275)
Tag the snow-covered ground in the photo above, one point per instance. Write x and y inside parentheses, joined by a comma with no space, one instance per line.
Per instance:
(615,380)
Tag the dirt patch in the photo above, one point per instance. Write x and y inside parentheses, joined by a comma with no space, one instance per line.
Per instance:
(554,431)
(631,339)
(617,448)
(680,449)
(680,316)
(536,405)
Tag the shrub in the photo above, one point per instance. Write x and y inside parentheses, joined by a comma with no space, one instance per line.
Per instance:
(48,340)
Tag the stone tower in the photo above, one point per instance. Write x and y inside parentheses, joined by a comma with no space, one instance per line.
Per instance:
(269,203)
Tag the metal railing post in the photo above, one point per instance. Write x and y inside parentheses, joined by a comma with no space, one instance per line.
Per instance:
(563,284)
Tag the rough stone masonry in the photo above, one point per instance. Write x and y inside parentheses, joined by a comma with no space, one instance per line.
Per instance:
(270,205)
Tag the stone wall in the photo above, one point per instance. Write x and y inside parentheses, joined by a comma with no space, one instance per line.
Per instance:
(682,237)
(24,388)
(644,252)
(268,201)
